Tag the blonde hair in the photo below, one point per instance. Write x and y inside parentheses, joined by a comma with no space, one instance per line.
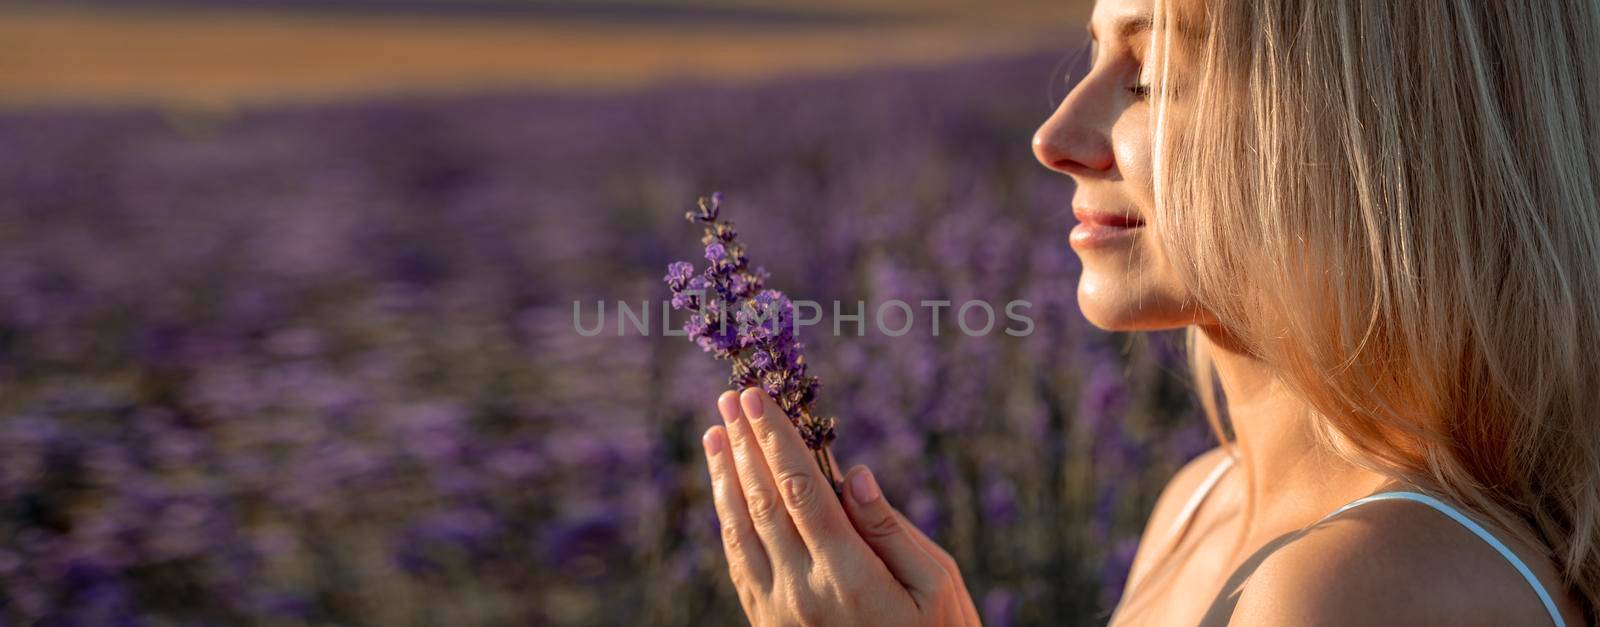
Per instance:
(1395,206)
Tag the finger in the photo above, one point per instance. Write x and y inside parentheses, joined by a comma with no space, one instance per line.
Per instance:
(942,556)
(969,609)
(875,520)
(747,561)
(806,492)
(937,552)
(767,513)
(927,544)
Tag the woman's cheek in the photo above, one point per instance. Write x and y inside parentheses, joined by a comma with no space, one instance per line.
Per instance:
(1131,144)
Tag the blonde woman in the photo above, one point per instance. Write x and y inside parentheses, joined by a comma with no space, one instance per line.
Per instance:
(1380,222)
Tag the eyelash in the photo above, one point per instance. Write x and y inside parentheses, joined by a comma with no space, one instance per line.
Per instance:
(1140,91)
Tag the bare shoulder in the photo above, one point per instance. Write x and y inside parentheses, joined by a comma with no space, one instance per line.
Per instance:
(1396,562)
(1181,487)
(1173,496)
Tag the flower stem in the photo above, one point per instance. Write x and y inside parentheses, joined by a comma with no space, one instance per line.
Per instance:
(827,470)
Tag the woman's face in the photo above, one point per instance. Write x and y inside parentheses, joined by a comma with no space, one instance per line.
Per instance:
(1101,136)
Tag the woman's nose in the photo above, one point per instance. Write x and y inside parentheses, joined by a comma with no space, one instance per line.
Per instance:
(1075,139)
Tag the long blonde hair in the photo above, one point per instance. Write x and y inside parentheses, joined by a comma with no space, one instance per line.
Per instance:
(1395,205)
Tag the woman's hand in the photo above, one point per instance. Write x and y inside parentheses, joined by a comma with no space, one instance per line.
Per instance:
(796,556)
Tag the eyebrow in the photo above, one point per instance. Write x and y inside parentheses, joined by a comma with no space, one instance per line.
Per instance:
(1137,23)
(1126,27)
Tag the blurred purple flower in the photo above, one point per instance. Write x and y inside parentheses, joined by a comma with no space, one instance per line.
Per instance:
(249,358)
(1000,607)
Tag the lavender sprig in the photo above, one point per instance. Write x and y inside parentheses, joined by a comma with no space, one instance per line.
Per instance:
(735,317)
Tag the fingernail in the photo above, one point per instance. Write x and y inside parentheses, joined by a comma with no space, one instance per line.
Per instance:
(864,488)
(729,406)
(753,407)
(712,443)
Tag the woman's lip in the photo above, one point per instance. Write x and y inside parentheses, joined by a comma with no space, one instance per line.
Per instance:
(1091,235)
(1102,228)
(1107,218)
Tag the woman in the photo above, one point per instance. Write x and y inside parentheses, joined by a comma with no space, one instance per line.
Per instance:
(1380,223)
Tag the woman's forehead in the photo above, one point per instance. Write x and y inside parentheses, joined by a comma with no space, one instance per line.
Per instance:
(1120,18)
(1129,18)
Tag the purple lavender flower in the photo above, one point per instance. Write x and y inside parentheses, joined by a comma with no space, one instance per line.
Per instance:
(688,296)
(716,252)
(746,285)
(272,336)
(738,319)
(678,275)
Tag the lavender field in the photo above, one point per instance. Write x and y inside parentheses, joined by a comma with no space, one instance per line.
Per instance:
(318,365)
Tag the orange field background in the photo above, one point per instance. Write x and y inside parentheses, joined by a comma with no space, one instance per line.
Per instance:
(198,55)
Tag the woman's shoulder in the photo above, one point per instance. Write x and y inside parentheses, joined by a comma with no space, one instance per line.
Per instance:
(1174,498)
(1185,485)
(1397,562)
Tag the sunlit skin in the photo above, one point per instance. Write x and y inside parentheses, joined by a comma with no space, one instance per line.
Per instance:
(799,556)
(1387,563)
(1101,136)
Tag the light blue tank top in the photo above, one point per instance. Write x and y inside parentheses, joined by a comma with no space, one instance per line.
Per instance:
(1475,528)
(1216,473)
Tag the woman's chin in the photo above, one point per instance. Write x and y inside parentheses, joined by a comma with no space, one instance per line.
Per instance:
(1111,318)
(1114,304)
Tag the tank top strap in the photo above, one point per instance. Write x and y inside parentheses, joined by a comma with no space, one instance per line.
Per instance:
(1471,525)
(1181,522)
